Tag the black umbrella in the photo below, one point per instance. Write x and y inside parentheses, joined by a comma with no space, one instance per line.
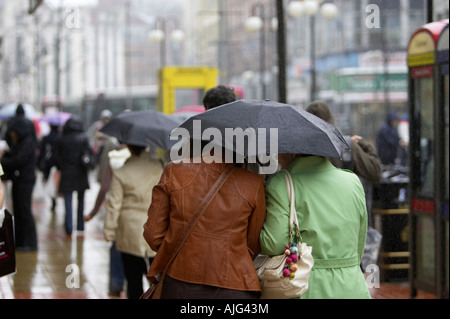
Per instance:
(142,128)
(299,132)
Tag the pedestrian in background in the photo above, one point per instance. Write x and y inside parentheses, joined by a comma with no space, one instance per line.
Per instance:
(19,165)
(97,138)
(70,149)
(20,116)
(218,96)
(388,140)
(129,198)
(47,165)
(332,216)
(2,192)
(403,133)
(114,160)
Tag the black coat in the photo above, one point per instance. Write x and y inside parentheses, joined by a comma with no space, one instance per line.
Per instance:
(46,159)
(19,163)
(69,149)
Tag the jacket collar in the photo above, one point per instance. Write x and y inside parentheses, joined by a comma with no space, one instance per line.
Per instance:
(309,164)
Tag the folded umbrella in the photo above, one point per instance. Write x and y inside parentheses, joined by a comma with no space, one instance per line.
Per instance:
(142,128)
(298,132)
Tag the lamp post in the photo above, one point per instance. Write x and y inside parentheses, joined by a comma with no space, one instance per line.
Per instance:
(311,8)
(158,35)
(281,45)
(256,23)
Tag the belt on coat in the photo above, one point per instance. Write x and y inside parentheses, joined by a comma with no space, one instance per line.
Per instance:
(336,263)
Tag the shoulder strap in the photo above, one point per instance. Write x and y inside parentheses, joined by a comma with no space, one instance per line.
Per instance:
(198,213)
(294,228)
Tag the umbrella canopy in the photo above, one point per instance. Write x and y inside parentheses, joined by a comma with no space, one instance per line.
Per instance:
(296,131)
(57,119)
(186,112)
(142,128)
(183,116)
(9,110)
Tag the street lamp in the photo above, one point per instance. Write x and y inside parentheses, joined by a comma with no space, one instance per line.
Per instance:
(256,23)
(311,8)
(158,35)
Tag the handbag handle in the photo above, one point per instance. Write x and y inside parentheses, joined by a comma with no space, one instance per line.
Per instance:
(197,214)
(293,218)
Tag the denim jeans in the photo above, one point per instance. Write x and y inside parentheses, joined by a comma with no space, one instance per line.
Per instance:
(116,273)
(68,224)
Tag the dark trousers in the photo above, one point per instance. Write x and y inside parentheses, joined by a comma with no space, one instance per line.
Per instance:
(116,273)
(25,226)
(176,289)
(135,268)
(68,224)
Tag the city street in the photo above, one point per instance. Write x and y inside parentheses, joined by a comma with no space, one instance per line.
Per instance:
(376,71)
(48,273)
(51,273)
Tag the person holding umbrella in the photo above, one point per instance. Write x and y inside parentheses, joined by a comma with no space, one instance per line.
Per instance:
(129,197)
(216,259)
(330,202)
(331,209)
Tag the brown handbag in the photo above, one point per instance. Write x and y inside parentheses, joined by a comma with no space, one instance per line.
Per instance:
(155,291)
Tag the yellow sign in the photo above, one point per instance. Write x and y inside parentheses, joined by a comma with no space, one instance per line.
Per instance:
(175,78)
(421,50)
(421,59)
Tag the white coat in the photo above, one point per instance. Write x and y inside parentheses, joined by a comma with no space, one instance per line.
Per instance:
(129,198)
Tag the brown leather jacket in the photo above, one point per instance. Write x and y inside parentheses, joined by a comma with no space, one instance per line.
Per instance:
(221,247)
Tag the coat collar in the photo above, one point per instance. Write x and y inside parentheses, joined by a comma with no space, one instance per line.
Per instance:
(309,164)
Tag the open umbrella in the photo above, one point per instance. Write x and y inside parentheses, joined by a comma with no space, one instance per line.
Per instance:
(143,128)
(252,127)
(9,110)
(57,119)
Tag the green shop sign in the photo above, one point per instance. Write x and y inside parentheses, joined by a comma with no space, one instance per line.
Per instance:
(370,82)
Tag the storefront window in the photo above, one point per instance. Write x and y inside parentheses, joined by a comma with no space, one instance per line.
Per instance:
(424,105)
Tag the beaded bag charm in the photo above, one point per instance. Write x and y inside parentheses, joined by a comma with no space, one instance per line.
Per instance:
(292,254)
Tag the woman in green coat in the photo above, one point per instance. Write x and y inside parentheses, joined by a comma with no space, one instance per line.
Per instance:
(331,210)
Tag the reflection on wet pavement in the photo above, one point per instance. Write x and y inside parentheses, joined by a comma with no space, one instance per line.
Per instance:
(73,267)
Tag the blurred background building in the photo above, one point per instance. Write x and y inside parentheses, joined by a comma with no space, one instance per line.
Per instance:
(68,52)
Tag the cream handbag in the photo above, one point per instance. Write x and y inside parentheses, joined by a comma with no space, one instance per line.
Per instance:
(286,276)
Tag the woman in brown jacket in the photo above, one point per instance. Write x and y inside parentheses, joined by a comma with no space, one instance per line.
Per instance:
(216,260)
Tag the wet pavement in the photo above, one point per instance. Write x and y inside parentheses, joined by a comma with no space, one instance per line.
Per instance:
(64,267)
(76,267)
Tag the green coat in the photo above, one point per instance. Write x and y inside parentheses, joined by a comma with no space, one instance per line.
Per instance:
(332,215)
